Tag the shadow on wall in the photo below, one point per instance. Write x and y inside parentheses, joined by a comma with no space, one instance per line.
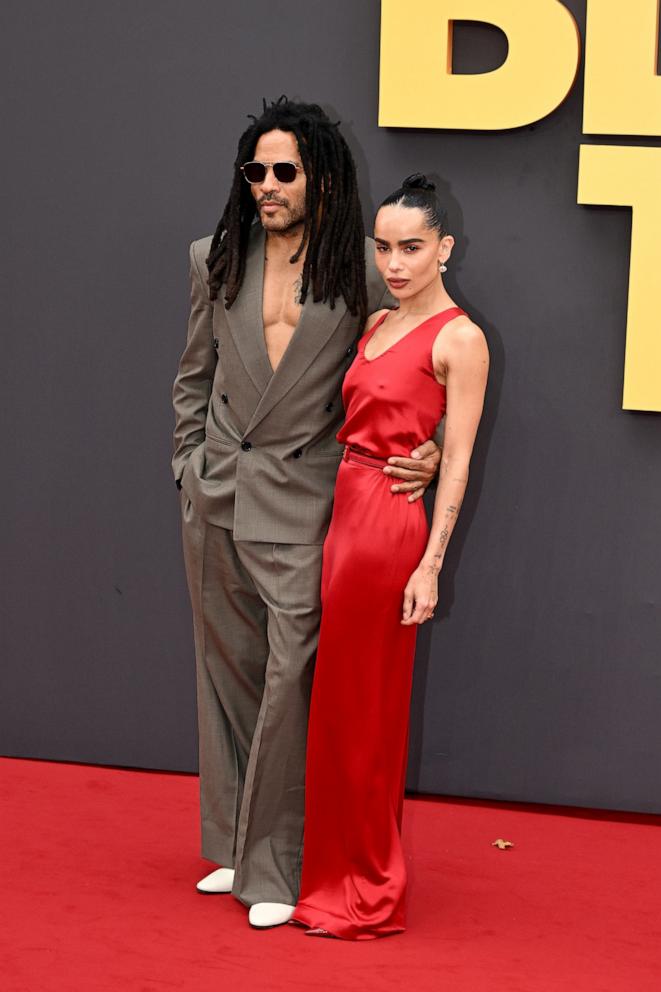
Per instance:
(478,468)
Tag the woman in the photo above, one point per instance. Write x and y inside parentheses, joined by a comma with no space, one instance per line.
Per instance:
(380,572)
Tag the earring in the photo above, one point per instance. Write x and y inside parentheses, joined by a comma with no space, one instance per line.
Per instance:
(442,267)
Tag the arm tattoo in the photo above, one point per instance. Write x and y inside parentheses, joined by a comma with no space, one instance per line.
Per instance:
(453,509)
(443,540)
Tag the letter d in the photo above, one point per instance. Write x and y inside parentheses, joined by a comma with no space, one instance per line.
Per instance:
(419,89)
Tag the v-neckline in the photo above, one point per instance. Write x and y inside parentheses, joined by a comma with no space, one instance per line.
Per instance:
(403,337)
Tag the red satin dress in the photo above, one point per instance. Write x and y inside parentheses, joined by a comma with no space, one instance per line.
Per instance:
(354,878)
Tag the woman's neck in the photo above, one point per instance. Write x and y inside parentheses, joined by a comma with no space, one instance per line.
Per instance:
(430,300)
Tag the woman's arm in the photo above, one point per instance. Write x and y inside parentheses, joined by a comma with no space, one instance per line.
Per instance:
(463,358)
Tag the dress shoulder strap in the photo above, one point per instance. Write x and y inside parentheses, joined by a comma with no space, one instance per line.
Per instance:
(426,336)
(426,333)
(368,334)
(445,316)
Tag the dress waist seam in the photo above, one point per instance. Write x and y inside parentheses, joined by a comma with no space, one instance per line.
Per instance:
(373,461)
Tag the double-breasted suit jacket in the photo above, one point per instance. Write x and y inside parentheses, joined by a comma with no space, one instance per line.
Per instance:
(255,450)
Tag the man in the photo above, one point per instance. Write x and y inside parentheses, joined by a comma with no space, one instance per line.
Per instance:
(257,405)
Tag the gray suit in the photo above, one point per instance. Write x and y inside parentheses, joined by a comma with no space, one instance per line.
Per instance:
(256,457)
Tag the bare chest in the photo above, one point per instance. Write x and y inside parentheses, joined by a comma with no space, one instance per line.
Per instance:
(386,337)
(281,309)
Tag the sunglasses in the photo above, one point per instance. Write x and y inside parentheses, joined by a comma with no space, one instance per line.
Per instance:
(284,172)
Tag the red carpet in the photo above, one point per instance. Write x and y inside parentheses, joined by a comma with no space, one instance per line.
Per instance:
(99,867)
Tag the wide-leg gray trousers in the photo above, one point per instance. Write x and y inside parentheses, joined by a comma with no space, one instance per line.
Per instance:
(256,612)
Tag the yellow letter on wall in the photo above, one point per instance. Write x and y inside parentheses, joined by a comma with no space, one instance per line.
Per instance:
(622,89)
(419,89)
(631,177)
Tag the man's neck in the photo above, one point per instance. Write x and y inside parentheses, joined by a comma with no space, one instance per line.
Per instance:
(281,245)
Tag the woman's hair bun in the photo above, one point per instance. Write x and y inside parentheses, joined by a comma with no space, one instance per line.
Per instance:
(417,192)
(418,181)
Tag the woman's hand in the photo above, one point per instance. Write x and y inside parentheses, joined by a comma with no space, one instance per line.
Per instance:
(420,595)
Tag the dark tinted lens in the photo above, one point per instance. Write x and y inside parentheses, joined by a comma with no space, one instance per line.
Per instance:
(285,172)
(254,172)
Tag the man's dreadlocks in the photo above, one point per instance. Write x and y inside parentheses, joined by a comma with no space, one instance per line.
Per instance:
(333,233)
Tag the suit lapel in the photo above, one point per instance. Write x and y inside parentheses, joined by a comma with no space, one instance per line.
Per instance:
(315,327)
(245,316)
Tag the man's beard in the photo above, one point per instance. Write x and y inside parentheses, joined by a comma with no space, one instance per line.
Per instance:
(287,219)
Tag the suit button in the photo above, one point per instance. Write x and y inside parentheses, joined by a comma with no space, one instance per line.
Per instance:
(215,343)
(328,408)
(246,445)
(223,397)
(298,453)
(349,352)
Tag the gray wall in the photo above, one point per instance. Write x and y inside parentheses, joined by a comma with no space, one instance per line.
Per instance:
(541,678)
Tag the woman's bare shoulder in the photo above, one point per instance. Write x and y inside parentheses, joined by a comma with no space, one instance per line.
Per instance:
(460,345)
(373,318)
(463,333)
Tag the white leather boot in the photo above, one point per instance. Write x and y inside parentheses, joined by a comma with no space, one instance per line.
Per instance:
(219,881)
(269,914)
